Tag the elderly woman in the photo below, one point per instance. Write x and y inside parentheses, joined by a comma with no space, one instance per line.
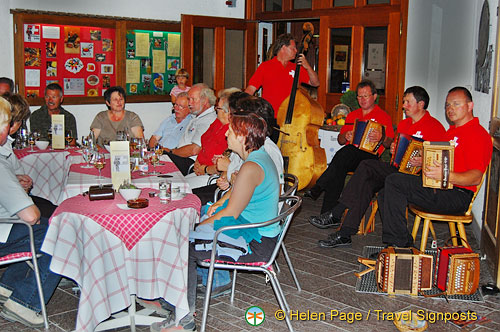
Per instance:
(213,143)
(107,123)
(254,199)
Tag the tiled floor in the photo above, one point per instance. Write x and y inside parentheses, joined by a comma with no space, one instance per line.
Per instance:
(328,282)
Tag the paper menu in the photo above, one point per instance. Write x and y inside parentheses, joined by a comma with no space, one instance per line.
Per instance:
(58,131)
(120,162)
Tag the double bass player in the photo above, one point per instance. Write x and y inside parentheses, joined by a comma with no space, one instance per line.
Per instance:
(275,76)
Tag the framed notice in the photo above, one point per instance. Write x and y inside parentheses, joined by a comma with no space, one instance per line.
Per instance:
(340,57)
(152,59)
(58,131)
(120,162)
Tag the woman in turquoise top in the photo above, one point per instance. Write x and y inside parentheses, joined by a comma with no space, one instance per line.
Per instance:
(254,199)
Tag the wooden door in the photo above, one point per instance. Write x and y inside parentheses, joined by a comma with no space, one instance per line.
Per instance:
(221,52)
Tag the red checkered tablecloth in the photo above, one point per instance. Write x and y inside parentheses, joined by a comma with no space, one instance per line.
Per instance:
(128,225)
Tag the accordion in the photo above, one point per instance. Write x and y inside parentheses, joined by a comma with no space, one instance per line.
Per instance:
(403,271)
(407,147)
(457,270)
(360,135)
(441,152)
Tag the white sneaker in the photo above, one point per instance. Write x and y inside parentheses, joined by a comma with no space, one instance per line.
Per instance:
(15,312)
(4,294)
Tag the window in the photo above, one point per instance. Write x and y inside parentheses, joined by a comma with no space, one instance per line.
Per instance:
(341,59)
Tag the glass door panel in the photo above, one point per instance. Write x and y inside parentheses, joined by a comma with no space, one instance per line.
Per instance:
(374,56)
(273,5)
(302,4)
(340,59)
(234,68)
(203,56)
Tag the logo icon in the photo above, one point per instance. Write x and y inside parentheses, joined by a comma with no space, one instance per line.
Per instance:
(255,316)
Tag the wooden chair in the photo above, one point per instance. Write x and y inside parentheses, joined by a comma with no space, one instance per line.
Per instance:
(30,258)
(366,227)
(454,221)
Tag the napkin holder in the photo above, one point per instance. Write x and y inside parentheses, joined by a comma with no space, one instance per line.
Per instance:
(97,193)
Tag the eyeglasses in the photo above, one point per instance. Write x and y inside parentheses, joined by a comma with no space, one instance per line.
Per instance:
(221,109)
(180,106)
(364,97)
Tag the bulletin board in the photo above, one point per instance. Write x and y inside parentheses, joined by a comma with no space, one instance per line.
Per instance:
(81,59)
(152,58)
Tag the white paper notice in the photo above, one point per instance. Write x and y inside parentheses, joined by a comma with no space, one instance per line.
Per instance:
(120,162)
(376,58)
(32,77)
(51,32)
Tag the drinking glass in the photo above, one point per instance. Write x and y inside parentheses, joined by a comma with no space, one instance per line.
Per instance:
(49,135)
(121,135)
(31,140)
(155,158)
(99,162)
(87,156)
(68,137)
(85,141)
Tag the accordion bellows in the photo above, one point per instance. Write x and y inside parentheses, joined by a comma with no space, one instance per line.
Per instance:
(457,270)
(403,271)
(361,131)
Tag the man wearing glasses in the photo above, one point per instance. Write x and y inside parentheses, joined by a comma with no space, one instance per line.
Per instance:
(348,157)
(172,128)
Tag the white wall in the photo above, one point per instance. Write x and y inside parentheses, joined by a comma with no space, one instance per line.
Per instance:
(441,48)
(151,113)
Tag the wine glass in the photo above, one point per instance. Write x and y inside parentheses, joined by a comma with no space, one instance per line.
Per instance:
(31,140)
(99,162)
(85,141)
(155,157)
(87,156)
(121,135)
(69,136)
(49,135)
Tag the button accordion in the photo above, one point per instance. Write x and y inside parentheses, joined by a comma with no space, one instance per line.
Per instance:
(442,152)
(403,271)
(457,270)
(360,135)
(407,147)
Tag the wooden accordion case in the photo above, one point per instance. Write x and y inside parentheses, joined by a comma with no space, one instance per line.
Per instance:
(442,152)
(406,147)
(457,270)
(360,135)
(403,271)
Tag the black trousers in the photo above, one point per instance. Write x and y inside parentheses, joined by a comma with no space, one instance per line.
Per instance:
(366,181)
(182,163)
(403,189)
(205,193)
(45,206)
(333,178)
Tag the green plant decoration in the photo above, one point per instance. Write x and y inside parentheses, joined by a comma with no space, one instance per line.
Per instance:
(349,98)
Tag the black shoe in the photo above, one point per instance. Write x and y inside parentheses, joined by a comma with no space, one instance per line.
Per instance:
(335,240)
(313,193)
(325,220)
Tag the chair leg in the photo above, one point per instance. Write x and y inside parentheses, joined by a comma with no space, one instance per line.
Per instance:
(38,280)
(290,266)
(416,224)
(208,293)
(461,233)
(278,269)
(131,313)
(433,232)
(233,287)
(370,226)
(280,297)
(425,235)
(453,233)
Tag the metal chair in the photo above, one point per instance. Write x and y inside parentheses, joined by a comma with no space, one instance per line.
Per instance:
(285,218)
(454,221)
(291,184)
(30,258)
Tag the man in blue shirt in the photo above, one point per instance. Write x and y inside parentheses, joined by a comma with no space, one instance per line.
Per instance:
(172,128)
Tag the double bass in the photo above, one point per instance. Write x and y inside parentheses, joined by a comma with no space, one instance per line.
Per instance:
(300,118)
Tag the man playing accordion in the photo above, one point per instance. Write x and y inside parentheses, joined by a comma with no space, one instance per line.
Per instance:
(370,175)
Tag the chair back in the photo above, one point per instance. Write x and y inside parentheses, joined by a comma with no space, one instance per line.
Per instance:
(291,184)
(291,204)
(469,210)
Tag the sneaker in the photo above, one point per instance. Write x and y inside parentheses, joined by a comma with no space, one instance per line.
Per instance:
(186,324)
(156,306)
(5,293)
(325,220)
(335,240)
(313,193)
(216,292)
(15,312)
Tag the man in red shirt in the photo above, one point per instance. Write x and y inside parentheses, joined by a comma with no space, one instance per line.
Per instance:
(473,150)
(348,157)
(275,76)
(370,175)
